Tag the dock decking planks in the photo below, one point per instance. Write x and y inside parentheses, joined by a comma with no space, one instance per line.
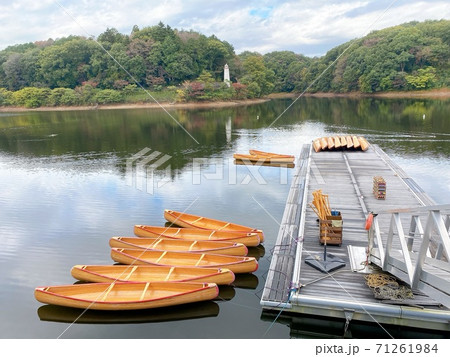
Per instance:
(281,267)
(347,177)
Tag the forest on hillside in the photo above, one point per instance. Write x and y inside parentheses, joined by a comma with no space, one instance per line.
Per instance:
(179,65)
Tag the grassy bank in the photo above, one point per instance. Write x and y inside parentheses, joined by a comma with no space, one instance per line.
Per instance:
(150,105)
(167,100)
(442,93)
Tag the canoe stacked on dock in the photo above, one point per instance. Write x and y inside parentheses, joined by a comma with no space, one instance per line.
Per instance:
(164,266)
(346,142)
(262,157)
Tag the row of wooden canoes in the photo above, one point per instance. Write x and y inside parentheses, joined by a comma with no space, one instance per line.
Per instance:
(263,157)
(164,266)
(340,142)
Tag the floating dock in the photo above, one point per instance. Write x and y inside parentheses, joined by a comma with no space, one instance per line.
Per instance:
(406,218)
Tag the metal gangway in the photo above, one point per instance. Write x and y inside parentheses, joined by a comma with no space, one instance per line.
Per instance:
(419,256)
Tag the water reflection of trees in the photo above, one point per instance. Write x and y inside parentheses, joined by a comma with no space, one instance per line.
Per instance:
(125,132)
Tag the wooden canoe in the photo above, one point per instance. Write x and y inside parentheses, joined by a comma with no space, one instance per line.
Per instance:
(330,142)
(349,141)
(316,145)
(189,220)
(149,273)
(288,165)
(271,154)
(197,234)
(164,258)
(364,143)
(356,143)
(263,159)
(343,141)
(323,143)
(125,296)
(179,245)
(337,142)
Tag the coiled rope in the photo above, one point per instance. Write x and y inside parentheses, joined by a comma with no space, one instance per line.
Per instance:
(386,287)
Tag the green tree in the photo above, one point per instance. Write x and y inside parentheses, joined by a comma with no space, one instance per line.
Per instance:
(285,65)
(63,96)
(107,96)
(258,78)
(112,36)
(66,64)
(423,78)
(30,97)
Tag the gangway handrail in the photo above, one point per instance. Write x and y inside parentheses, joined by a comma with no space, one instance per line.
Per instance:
(442,207)
(412,271)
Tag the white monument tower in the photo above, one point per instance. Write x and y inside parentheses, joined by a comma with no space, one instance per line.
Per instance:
(226,75)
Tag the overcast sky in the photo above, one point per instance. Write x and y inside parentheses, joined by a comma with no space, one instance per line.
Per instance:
(309,27)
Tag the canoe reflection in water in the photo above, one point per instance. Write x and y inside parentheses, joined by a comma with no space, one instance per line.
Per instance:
(262,163)
(198,310)
(226,293)
(245,281)
(256,252)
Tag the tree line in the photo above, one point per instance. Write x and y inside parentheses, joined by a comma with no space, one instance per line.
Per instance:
(187,65)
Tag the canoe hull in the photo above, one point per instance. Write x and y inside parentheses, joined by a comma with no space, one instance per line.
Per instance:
(356,144)
(179,245)
(330,143)
(316,145)
(193,221)
(139,257)
(337,142)
(125,296)
(248,239)
(144,273)
(264,159)
(364,143)
(271,154)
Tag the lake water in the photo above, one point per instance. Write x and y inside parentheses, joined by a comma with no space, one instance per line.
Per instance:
(66,189)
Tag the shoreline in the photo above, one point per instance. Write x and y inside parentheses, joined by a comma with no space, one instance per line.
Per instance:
(443,93)
(161,105)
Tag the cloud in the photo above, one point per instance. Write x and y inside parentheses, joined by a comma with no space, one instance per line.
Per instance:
(308,26)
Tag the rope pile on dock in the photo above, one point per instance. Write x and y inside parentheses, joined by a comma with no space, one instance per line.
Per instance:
(386,287)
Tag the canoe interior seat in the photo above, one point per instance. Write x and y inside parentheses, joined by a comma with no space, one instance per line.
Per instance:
(107,292)
(144,291)
(131,272)
(169,274)
(161,256)
(199,260)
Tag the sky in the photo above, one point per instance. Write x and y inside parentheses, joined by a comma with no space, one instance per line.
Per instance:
(309,27)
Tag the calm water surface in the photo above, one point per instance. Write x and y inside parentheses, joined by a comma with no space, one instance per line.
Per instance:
(65,190)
